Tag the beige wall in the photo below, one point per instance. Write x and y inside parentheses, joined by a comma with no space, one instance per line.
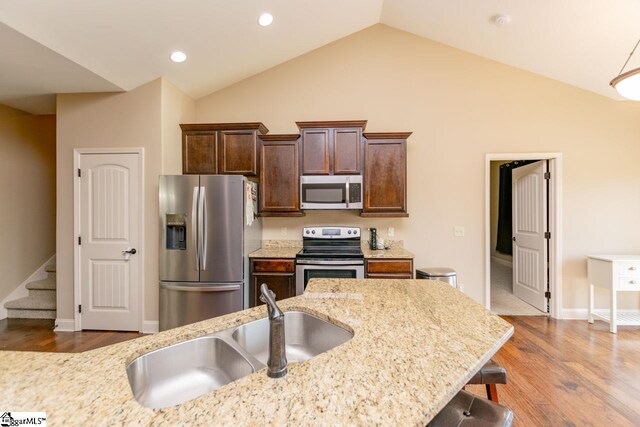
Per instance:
(176,108)
(27,195)
(147,117)
(130,119)
(459,107)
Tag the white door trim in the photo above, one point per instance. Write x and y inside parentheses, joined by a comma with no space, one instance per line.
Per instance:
(555,223)
(77,153)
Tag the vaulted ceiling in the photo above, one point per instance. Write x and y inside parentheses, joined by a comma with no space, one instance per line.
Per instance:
(68,46)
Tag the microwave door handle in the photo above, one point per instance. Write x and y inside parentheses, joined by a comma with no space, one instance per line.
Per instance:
(347,195)
(203,228)
(194,225)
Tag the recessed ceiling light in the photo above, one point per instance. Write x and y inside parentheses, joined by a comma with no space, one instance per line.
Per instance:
(178,56)
(265,19)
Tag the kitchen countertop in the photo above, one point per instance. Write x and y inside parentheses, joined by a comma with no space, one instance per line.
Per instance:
(275,249)
(392,252)
(416,343)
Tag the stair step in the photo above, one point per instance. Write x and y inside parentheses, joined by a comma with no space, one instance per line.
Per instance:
(31,314)
(40,302)
(42,285)
(51,268)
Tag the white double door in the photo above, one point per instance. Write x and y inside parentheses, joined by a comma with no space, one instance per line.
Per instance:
(109,204)
(530,222)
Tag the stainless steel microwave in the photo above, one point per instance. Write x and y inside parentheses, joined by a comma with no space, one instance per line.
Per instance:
(331,192)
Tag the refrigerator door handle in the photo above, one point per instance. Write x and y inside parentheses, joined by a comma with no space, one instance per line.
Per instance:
(194,225)
(202,227)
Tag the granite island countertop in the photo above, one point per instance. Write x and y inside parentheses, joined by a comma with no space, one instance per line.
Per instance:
(415,344)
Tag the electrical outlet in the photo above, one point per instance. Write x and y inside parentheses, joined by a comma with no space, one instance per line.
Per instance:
(284,231)
(458,231)
(391,232)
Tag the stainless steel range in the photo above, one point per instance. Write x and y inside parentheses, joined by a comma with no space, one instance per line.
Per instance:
(329,252)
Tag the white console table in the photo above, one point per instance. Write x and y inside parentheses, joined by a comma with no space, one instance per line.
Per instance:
(616,273)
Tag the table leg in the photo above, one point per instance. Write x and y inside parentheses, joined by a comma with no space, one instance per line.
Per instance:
(591,303)
(613,325)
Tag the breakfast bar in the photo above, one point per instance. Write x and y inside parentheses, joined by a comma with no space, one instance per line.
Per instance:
(415,344)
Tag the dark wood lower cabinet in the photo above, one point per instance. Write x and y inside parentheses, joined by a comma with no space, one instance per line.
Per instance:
(278,274)
(389,268)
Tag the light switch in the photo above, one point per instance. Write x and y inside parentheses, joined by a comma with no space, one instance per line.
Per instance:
(283,231)
(458,231)
(391,232)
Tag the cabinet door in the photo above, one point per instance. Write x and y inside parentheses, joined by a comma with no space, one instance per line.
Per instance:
(199,152)
(385,176)
(346,151)
(279,177)
(315,152)
(283,285)
(238,152)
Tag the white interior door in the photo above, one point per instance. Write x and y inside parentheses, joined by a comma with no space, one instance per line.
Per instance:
(110,211)
(529,222)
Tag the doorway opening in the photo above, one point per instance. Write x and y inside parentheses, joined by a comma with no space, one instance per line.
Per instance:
(522,233)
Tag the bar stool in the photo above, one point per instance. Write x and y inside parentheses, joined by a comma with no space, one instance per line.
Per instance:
(490,375)
(466,409)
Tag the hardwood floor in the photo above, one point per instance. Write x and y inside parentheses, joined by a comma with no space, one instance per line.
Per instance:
(569,373)
(561,373)
(38,335)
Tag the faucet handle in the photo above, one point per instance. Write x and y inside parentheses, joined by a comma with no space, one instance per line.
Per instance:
(269,298)
(265,293)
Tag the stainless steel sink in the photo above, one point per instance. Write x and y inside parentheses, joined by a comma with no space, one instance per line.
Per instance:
(181,372)
(184,371)
(305,336)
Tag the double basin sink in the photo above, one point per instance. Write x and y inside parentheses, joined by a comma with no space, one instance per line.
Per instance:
(181,372)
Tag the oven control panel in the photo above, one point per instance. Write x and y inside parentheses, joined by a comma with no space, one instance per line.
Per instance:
(331,232)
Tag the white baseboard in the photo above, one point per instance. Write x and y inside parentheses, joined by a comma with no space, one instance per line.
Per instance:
(65,325)
(21,291)
(575,313)
(583,313)
(150,326)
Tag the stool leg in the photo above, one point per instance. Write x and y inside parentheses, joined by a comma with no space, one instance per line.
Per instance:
(492,393)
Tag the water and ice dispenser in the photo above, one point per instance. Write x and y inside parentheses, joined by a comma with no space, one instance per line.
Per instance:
(176,231)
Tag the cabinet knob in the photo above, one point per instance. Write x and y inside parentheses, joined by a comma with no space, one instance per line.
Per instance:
(633,268)
(633,282)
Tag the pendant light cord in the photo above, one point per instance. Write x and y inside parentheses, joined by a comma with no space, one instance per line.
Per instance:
(629,58)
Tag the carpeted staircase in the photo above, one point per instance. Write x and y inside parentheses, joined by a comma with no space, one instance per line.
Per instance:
(41,302)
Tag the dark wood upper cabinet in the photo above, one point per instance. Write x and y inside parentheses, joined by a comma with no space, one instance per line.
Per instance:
(221,148)
(385,174)
(279,175)
(347,149)
(315,152)
(238,152)
(332,147)
(199,153)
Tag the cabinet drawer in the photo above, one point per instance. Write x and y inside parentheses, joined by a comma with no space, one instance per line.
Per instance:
(285,265)
(629,268)
(629,283)
(390,266)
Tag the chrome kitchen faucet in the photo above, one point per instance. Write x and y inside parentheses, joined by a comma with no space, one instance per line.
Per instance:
(277,363)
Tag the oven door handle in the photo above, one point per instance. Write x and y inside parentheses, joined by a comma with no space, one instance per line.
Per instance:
(329,262)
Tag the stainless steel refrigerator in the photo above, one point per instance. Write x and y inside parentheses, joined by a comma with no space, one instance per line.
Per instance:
(208,227)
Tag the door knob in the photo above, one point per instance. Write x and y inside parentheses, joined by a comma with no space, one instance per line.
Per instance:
(513,238)
(131,251)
